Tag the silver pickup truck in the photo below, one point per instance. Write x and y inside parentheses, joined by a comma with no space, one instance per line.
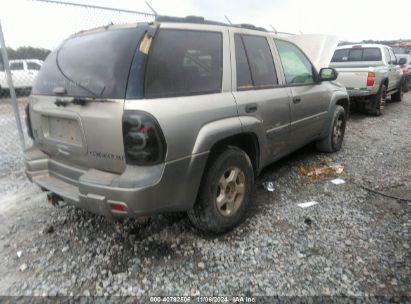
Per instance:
(370,73)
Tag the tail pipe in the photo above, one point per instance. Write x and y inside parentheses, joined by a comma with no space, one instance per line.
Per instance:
(55,200)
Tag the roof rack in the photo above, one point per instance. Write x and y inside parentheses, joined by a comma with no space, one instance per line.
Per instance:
(188,19)
(250,27)
(201,20)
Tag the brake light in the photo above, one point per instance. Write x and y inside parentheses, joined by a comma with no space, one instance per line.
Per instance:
(144,143)
(370,79)
(118,207)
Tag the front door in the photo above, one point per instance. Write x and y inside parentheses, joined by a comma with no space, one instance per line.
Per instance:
(310,100)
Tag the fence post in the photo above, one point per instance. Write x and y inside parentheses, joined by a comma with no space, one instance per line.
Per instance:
(11,87)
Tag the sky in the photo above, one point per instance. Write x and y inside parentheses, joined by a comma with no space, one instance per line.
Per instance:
(39,24)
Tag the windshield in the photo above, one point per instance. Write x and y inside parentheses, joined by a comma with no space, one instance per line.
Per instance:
(90,65)
(357,54)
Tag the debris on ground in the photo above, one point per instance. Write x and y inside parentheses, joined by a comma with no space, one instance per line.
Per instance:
(307,204)
(268,229)
(19,253)
(23,267)
(308,221)
(269,186)
(338,181)
(314,172)
(48,229)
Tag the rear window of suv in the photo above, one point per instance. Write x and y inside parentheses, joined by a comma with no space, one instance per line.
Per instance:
(184,62)
(91,65)
(357,54)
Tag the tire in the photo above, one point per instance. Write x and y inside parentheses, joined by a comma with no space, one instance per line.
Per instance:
(407,84)
(225,191)
(378,102)
(335,136)
(398,96)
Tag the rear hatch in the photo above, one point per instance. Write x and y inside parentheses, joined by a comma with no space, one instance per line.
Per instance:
(77,100)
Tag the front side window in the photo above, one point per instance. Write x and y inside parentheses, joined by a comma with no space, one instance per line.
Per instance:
(16,66)
(184,62)
(297,68)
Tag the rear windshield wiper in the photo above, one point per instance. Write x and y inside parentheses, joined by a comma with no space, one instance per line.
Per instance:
(77,101)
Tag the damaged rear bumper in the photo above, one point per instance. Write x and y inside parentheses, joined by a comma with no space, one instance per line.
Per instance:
(170,186)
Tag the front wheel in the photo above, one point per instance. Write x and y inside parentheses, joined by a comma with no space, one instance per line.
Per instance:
(333,141)
(398,96)
(224,193)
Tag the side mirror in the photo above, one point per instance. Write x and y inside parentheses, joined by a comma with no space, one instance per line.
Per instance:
(328,74)
(402,61)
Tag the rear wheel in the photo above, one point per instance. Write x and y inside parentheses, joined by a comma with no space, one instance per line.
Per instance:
(378,102)
(333,141)
(224,193)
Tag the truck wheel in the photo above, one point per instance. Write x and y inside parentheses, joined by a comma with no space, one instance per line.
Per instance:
(333,141)
(407,84)
(224,193)
(400,93)
(378,102)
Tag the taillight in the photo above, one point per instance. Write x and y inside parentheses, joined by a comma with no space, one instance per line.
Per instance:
(370,79)
(28,123)
(144,143)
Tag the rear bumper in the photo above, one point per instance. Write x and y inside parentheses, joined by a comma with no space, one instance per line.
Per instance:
(170,186)
(359,92)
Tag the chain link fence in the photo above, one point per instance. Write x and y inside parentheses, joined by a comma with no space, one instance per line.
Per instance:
(47,25)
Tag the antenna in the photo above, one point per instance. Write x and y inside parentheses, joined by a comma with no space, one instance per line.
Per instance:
(275,31)
(229,21)
(152,9)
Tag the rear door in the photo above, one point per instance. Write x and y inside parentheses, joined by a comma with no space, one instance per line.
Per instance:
(258,91)
(78,98)
(395,74)
(310,99)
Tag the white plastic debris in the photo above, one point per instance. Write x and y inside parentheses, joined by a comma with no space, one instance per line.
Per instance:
(23,267)
(269,186)
(338,181)
(307,204)
(19,253)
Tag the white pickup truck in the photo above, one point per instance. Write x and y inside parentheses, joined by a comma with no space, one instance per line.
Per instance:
(23,73)
(370,73)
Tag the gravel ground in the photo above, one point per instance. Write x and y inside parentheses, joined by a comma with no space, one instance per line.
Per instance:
(354,242)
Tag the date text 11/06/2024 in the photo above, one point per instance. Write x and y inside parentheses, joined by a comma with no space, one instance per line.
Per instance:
(201,299)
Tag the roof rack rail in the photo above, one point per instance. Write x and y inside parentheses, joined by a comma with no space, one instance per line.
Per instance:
(250,27)
(201,20)
(188,19)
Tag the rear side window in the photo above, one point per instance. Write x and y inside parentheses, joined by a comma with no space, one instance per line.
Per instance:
(184,62)
(16,66)
(357,54)
(254,63)
(244,80)
(33,66)
(91,65)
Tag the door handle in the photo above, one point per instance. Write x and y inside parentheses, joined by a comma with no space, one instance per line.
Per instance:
(297,99)
(251,107)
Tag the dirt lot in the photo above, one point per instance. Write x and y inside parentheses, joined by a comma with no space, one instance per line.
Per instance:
(355,242)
